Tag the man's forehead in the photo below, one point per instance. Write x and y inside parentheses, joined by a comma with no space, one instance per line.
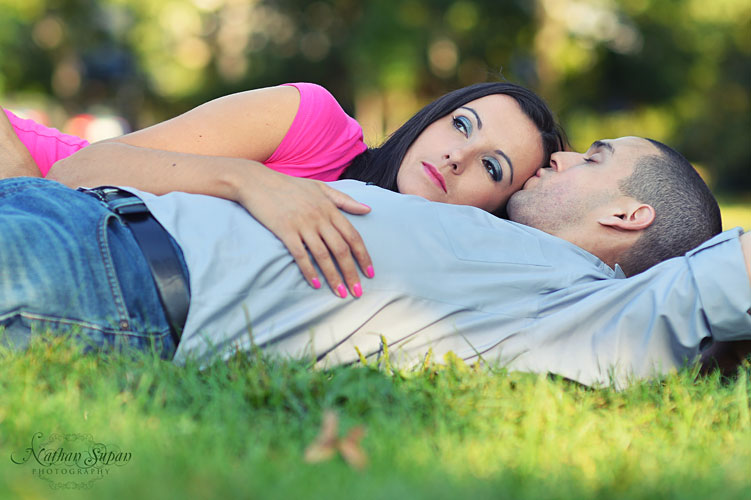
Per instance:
(630,144)
(623,153)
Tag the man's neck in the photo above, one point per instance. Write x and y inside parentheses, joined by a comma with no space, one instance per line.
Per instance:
(606,244)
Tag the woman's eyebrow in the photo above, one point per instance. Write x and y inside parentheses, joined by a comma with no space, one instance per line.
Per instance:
(510,165)
(477,117)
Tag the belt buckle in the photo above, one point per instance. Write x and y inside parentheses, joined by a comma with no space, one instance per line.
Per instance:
(103,193)
(136,208)
(110,194)
(105,189)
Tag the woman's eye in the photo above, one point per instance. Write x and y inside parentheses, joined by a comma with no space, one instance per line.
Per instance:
(494,168)
(463,125)
(589,160)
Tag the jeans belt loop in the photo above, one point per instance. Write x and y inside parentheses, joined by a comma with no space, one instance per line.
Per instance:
(154,241)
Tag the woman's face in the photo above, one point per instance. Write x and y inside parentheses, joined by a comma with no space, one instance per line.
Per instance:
(478,155)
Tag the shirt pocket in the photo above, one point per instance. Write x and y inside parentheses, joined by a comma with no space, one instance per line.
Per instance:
(474,235)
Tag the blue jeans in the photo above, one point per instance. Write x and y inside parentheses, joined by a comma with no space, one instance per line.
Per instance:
(68,264)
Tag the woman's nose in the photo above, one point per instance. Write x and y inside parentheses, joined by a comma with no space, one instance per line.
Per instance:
(456,159)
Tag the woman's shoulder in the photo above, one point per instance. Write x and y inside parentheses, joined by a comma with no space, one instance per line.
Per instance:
(319,108)
(322,139)
(315,96)
(309,88)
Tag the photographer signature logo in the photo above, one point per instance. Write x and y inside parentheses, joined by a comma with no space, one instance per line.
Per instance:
(70,461)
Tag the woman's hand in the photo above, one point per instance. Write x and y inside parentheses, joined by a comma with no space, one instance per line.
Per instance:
(306,216)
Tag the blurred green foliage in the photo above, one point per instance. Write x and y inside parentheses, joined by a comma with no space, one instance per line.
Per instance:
(675,70)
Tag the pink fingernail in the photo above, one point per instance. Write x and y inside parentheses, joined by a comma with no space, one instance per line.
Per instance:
(316,283)
(342,291)
(357,290)
(363,204)
(369,272)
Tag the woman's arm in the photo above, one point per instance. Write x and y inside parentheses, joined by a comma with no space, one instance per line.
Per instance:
(217,149)
(247,125)
(15,159)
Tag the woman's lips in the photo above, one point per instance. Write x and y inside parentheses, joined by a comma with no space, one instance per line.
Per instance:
(435,176)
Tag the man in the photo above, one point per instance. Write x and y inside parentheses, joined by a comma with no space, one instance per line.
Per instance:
(450,278)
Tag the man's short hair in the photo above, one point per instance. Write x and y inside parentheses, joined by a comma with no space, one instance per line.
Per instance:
(686,212)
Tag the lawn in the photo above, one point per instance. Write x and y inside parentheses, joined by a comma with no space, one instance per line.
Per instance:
(736,214)
(252,428)
(249,429)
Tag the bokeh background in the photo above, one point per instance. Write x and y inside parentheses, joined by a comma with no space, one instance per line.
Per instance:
(675,70)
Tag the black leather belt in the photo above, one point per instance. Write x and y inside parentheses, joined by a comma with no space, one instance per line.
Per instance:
(171,282)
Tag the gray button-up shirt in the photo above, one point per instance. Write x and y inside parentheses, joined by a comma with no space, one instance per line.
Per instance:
(452,278)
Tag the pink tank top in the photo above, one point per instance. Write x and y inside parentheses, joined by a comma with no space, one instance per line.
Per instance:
(322,141)
(46,145)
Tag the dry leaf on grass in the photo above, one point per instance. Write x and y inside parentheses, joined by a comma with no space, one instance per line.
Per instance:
(327,443)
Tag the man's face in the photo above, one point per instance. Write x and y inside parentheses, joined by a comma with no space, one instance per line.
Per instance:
(576,189)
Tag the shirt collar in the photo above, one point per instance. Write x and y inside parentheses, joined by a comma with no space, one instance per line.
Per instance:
(619,274)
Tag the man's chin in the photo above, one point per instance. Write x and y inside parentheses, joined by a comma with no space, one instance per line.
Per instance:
(514,205)
(522,207)
(531,182)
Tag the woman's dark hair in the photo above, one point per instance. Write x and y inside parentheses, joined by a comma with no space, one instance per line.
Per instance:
(380,165)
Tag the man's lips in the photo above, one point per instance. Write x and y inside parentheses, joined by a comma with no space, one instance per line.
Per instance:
(534,178)
(435,176)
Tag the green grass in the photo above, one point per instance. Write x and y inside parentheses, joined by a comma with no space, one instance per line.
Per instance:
(736,214)
(240,430)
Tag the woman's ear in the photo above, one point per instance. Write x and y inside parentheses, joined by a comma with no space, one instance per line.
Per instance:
(635,218)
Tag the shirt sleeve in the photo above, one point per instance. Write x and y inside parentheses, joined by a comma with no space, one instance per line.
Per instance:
(322,140)
(611,331)
(46,145)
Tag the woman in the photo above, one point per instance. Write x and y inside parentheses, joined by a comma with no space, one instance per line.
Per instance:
(474,146)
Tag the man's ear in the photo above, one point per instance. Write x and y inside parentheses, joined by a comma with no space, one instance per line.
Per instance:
(635,218)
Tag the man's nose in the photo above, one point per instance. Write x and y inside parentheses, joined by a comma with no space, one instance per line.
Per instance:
(562,160)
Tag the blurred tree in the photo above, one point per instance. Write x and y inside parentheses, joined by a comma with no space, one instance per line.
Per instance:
(675,70)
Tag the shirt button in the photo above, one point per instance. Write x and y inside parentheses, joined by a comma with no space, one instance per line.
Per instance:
(124,325)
